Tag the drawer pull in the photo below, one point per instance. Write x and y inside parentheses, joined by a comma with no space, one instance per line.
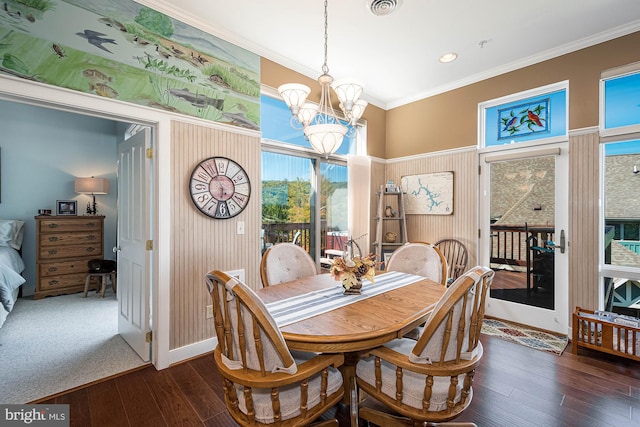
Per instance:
(52,269)
(92,237)
(91,225)
(53,251)
(91,249)
(53,282)
(53,225)
(53,239)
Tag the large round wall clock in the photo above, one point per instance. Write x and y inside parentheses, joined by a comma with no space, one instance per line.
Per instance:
(219,187)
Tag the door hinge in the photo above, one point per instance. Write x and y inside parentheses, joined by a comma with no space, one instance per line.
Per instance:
(149,245)
(149,153)
(479,170)
(148,336)
(479,233)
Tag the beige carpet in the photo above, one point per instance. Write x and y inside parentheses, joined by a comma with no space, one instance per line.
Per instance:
(58,343)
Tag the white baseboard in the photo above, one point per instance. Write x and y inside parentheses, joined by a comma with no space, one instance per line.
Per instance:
(192,350)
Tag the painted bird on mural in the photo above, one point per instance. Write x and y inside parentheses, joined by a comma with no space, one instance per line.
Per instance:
(95,38)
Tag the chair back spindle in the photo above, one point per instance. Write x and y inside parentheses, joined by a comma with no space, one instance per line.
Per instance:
(263,383)
(430,380)
(456,255)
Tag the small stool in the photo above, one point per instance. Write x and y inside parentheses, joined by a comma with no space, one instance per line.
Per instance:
(103,282)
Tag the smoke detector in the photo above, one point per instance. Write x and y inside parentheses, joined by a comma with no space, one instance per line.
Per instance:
(383,7)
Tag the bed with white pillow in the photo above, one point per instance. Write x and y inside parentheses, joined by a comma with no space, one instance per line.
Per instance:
(11,265)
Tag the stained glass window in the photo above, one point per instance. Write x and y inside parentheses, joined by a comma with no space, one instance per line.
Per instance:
(534,116)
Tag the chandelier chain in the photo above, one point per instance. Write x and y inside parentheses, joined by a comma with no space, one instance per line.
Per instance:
(325,67)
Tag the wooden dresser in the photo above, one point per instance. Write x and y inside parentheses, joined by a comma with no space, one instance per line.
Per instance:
(64,244)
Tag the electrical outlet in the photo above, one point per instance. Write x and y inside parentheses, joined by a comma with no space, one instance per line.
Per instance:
(240,227)
(209,312)
(238,274)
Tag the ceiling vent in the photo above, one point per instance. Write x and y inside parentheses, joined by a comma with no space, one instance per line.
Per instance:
(383,7)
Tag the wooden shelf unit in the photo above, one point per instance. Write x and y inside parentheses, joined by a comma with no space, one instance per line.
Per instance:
(64,244)
(396,224)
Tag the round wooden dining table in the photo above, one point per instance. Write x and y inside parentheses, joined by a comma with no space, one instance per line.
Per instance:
(360,326)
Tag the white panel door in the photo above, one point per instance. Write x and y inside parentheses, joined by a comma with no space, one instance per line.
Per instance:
(523,224)
(134,227)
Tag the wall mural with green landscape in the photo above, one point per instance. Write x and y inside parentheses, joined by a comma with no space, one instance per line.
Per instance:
(122,50)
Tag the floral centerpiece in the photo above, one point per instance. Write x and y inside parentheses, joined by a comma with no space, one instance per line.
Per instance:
(351,271)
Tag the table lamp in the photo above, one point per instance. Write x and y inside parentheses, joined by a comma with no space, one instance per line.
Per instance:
(92,186)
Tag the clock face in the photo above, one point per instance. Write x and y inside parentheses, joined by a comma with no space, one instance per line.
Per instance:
(219,187)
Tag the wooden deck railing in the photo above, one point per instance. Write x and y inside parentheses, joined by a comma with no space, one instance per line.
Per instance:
(511,244)
(523,246)
(300,233)
(286,232)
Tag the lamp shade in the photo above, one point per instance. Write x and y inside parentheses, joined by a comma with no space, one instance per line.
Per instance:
(325,138)
(307,113)
(294,95)
(92,185)
(348,92)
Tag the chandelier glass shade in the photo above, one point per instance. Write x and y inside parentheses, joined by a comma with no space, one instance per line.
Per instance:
(319,122)
(325,138)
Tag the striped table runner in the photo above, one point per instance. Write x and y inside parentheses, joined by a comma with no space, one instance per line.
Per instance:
(301,307)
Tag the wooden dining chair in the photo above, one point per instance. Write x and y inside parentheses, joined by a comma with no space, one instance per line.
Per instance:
(285,262)
(264,383)
(456,255)
(419,258)
(429,380)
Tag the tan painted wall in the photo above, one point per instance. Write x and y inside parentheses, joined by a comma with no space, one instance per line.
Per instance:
(450,120)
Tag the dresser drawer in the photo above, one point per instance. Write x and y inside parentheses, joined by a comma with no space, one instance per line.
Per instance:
(57,252)
(65,244)
(57,239)
(66,281)
(62,225)
(76,266)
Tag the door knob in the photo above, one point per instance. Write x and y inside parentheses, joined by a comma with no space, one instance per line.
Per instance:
(116,249)
(562,244)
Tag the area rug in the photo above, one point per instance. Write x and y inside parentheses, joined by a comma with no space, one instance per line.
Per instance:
(520,334)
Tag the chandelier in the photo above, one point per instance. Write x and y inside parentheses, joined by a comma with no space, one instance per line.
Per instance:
(320,124)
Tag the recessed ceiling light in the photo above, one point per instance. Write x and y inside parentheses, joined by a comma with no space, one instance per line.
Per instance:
(448,57)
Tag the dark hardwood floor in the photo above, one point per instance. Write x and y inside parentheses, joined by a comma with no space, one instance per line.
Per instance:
(514,387)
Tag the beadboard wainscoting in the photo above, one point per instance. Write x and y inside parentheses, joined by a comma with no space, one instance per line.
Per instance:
(463,224)
(200,243)
(584,170)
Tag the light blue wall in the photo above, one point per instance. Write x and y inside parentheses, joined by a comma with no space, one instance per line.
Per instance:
(42,151)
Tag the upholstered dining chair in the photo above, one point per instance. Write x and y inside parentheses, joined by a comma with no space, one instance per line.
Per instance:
(429,380)
(264,383)
(285,262)
(419,258)
(456,255)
